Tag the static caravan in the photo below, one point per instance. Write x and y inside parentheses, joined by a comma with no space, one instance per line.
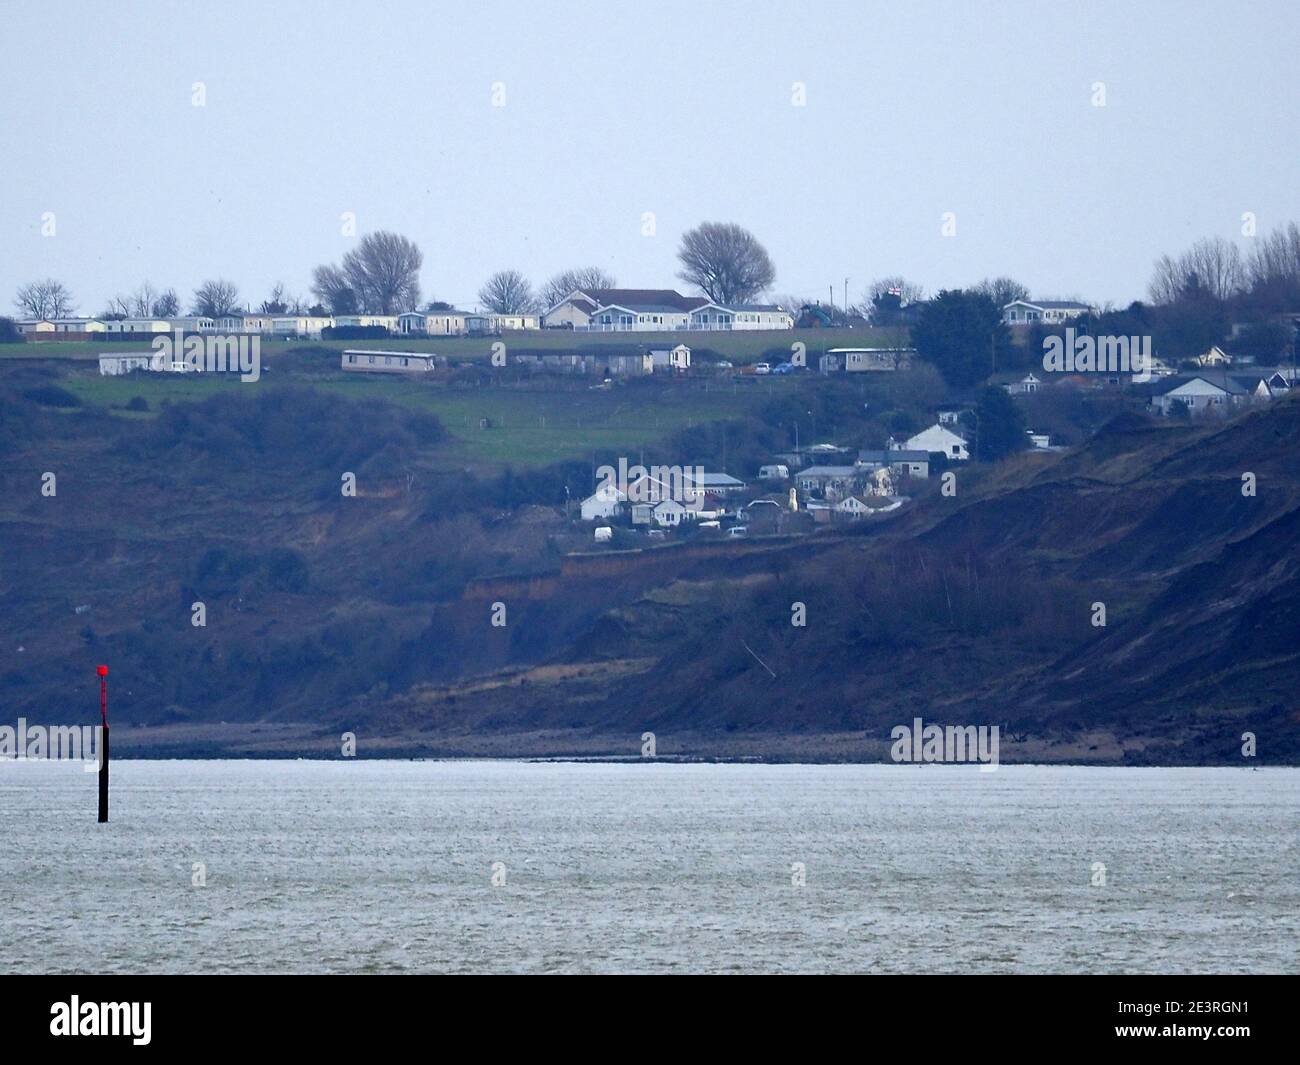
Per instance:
(388,362)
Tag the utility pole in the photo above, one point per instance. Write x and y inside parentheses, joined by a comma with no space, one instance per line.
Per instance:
(103,743)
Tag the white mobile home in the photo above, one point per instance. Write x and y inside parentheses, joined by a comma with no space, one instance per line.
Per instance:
(406,362)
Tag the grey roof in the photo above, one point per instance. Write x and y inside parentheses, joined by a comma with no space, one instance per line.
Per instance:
(882,457)
(1168,384)
(717,480)
(828,471)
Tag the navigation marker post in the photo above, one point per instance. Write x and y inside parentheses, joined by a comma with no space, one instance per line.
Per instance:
(103,743)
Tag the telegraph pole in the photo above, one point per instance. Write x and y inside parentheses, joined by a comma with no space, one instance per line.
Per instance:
(103,744)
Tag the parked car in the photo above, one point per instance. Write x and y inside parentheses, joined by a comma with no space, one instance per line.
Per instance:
(784,368)
(762,368)
(737,531)
(723,364)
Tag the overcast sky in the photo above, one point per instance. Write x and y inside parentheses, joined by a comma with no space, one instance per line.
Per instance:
(385,109)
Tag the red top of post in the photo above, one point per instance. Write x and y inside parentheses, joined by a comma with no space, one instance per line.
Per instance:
(103,694)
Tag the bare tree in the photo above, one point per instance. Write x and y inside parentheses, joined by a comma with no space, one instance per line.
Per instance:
(1001,290)
(1211,267)
(905,290)
(567,282)
(142,300)
(886,297)
(1273,269)
(507,292)
(384,271)
(277,302)
(45,299)
(212,299)
(726,262)
(167,305)
(117,307)
(330,285)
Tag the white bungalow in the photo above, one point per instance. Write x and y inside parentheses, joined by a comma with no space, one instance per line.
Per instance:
(938,439)
(604,502)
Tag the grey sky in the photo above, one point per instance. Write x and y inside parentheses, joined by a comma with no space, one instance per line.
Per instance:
(612,110)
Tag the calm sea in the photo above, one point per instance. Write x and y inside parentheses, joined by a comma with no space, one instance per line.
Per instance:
(390,867)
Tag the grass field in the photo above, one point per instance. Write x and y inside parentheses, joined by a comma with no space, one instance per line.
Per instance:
(738,347)
(527,428)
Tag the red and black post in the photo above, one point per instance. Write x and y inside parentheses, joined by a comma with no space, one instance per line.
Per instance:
(103,743)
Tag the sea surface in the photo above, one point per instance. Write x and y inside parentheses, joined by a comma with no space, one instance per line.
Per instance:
(389,867)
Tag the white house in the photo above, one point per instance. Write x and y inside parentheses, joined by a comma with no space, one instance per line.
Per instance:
(387,362)
(678,358)
(117,364)
(192,323)
(711,316)
(852,507)
(866,360)
(830,481)
(614,310)
(900,463)
(299,325)
(938,439)
(670,513)
(1025,386)
(52,328)
(363,321)
(604,502)
(572,312)
(1197,394)
(447,322)
(761,316)
(715,484)
(1216,356)
(138,325)
(1027,312)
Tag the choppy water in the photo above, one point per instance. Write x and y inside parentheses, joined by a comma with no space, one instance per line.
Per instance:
(387,867)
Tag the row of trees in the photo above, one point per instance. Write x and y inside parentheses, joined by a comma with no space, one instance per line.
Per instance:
(1195,296)
(381,275)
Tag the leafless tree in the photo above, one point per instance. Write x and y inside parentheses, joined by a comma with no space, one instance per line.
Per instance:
(117,307)
(277,302)
(1211,267)
(726,262)
(330,285)
(1001,290)
(885,298)
(570,281)
(507,292)
(906,291)
(45,299)
(384,271)
(1273,269)
(212,299)
(142,300)
(167,305)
